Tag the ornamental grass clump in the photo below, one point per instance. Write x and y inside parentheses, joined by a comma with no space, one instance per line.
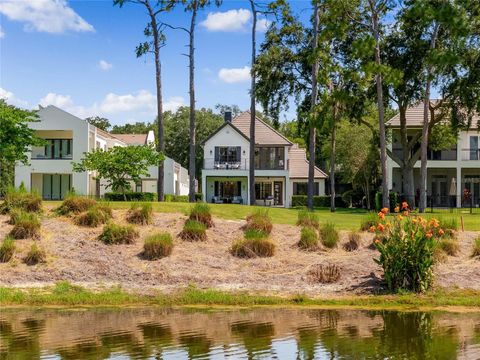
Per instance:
(260,220)
(94,216)
(7,249)
(353,242)
(21,199)
(408,249)
(449,246)
(308,239)
(35,255)
(201,212)
(27,225)
(324,274)
(118,234)
(476,247)
(254,244)
(329,235)
(15,215)
(369,220)
(157,246)
(140,213)
(308,218)
(194,231)
(74,204)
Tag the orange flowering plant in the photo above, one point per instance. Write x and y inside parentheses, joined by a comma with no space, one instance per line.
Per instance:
(406,244)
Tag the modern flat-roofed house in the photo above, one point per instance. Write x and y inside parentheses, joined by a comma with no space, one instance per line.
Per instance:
(453,175)
(68,137)
(281,167)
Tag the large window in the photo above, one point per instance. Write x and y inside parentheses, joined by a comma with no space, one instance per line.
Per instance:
(263,190)
(301,188)
(56,186)
(270,158)
(58,149)
(227,154)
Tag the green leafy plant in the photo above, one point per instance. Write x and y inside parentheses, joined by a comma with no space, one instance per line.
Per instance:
(201,212)
(353,242)
(27,225)
(308,238)
(35,255)
(369,220)
(308,218)
(7,249)
(329,235)
(259,220)
(157,246)
(118,234)
(193,231)
(140,213)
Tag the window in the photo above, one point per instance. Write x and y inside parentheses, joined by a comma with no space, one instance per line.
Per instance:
(301,188)
(474,148)
(270,158)
(227,154)
(58,149)
(138,187)
(263,190)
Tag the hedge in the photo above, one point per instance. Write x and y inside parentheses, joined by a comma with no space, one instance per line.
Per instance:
(176,198)
(130,196)
(394,200)
(318,201)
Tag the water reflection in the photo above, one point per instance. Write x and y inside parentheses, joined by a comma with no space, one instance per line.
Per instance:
(259,333)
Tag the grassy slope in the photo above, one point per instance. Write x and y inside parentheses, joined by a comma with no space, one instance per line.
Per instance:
(345,219)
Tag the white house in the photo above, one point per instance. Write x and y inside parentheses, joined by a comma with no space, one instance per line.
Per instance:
(453,175)
(281,167)
(68,137)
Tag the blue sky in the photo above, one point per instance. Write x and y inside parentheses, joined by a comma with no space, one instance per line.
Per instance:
(79,55)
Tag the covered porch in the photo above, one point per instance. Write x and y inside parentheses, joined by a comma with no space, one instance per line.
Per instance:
(226,190)
(51,186)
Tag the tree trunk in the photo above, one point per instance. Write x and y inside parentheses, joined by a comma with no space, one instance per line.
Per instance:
(158,80)
(425,129)
(381,110)
(252,109)
(192,154)
(408,184)
(332,159)
(312,125)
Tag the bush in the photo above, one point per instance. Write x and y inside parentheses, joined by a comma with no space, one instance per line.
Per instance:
(75,204)
(35,256)
(118,234)
(27,226)
(95,216)
(22,200)
(449,246)
(253,247)
(329,235)
(140,213)
(369,220)
(308,238)
(308,218)
(130,196)
(15,215)
(201,212)
(260,221)
(476,247)
(7,249)
(194,231)
(318,201)
(353,242)
(393,197)
(324,274)
(157,246)
(176,198)
(198,197)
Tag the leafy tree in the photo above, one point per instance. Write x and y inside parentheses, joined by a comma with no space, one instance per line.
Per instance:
(119,165)
(99,122)
(137,128)
(235,109)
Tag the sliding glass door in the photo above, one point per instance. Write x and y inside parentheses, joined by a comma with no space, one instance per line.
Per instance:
(56,186)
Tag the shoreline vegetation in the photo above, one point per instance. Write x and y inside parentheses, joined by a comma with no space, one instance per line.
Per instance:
(65,294)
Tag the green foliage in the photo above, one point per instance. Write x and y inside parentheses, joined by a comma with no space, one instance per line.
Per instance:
(22,200)
(119,165)
(476,247)
(308,238)
(448,223)
(255,234)
(178,198)
(157,246)
(259,220)
(201,212)
(7,176)
(353,242)
(369,220)
(140,213)
(442,137)
(329,235)
(7,249)
(130,196)
(253,247)
(35,255)
(193,231)
(99,122)
(27,225)
(75,204)
(96,215)
(118,234)
(318,201)
(308,218)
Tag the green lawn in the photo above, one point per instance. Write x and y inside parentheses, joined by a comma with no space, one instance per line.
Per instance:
(345,219)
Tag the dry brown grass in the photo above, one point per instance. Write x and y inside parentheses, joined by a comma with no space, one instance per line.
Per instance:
(253,248)
(118,234)
(75,204)
(140,214)
(35,255)
(27,225)
(324,274)
(259,221)
(201,212)
(353,242)
(94,216)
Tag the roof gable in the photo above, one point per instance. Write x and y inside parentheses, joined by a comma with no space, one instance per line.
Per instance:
(298,164)
(226,123)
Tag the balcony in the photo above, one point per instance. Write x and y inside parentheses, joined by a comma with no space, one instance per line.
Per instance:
(212,164)
(470,154)
(434,155)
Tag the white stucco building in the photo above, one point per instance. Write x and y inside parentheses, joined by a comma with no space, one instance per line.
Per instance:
(68,137)
(281,167)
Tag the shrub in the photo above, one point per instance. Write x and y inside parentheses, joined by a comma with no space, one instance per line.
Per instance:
(22,200)
(449,246)
(140,213)
(198,197)
(176,198)
(15,215)
(329,235)
(307,218)
(118,234)
(75,204)
(253,247)
(324,274)
(201,212)
(35,255)
(308,238)
(130,196)
(318,201)
(7,249)
(260,221)
(476,247)
(369,220)
(27,225)
(94,216)
(353,242)
(157,246)
(194,231)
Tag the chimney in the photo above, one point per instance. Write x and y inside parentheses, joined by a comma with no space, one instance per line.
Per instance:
(228,116)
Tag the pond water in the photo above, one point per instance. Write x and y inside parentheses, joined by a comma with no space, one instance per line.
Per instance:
(237,334)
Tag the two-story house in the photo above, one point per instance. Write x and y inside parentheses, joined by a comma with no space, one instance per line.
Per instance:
(453,175)
(67,138)
(281,167)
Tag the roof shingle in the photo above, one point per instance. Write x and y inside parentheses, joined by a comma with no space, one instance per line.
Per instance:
(298,164)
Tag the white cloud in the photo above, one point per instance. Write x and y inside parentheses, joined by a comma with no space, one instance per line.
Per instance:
(51,16)
(143,100)
(2,33)
(231,20)
(234,75)
(11,99)
(104,65)
(173,103)
(263,24)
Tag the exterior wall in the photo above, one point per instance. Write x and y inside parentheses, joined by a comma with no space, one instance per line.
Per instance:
(320,182)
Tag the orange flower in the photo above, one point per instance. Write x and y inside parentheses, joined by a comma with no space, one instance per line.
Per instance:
(381,215)
(404,205)
(377,241)
(434,223)
(380,227)
(397,209)
(428,235)
(399,217)
(405,213)
(441,232)
(384,210)
(372,228)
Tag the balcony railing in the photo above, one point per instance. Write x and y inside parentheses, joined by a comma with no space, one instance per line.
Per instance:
(470,154)
(38,153)
(212,164)
(440,155)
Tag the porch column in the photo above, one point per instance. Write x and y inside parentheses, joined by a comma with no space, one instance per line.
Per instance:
(204,188)
(459,187)
(248,191)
